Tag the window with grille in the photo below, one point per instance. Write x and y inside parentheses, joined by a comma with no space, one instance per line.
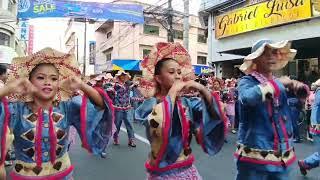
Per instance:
(178,34)
(145,52)
(4,39)
(201,60)
(151,30)
(108,54)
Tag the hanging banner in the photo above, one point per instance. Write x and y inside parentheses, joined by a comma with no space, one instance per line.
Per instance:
(24,30)
(260,16)
(92,52)
(90,10)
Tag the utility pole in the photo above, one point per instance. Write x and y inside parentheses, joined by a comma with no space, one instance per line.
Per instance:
(186,25)
(85,47)
(170,17)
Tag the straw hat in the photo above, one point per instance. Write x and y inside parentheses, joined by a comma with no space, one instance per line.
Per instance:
(120,72)
(164,50)
(259,47)
(65,64)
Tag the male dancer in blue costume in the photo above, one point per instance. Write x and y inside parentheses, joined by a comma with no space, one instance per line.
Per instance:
(264,149)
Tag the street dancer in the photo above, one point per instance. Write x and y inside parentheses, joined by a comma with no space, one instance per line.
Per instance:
(313,160)
(122,106)
(42,110)
(264,149)
(171,120)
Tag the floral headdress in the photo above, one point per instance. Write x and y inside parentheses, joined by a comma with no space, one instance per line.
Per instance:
(162,51)
(65,64)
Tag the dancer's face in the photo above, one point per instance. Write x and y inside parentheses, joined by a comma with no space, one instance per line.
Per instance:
(45,78)
(169,73)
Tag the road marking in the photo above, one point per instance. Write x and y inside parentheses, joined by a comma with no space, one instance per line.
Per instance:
(137,136)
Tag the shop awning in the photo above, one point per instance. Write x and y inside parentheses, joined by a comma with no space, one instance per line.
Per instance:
(202,69)
(126,64)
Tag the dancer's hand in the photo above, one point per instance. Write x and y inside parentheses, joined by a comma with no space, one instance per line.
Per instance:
(287,82)
(175,89)
(192,85)
(21,86)
(72,83)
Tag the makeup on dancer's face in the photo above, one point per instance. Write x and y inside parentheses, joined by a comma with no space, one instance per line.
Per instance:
(45,78)
(168,73)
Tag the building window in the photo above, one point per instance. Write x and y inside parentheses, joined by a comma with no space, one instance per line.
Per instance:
(177,34)
(109,34)
(145,52)
(202,36)
(108,54)
(4,39)
(201,60)
(152,30)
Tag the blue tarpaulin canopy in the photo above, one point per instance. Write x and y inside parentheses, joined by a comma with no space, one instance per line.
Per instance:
(126,64)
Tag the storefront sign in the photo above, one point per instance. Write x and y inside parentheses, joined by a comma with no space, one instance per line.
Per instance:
(24,30)
(202,69)
(316,7)
(91,10)
(263,15)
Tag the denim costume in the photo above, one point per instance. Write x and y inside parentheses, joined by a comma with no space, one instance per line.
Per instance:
(264,149)
(41,139)
(123,108)
(296,109)
(313,160)
(136,98)
(170,127)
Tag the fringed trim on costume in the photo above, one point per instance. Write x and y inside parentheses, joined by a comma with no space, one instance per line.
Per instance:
(285,134)
(57,176)
(53,137)
(4,130)
(181,164)
(38,140)
(122,108)
(185,126)
(216,97)
(83,124)
(165,130)
(265,157)
(110,104)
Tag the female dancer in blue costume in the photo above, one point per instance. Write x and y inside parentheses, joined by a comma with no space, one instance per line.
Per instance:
(41,86)
(171,120)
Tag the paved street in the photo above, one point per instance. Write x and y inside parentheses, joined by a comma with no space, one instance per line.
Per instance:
(125,163)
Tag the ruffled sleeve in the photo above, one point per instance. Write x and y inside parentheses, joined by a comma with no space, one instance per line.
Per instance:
(143,111)
(93,124)
(6,135)
(209,131)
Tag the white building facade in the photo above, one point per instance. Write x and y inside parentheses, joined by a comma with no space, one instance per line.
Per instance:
(10,42)
(122,45)
(74,41)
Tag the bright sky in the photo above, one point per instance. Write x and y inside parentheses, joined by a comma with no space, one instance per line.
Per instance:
(49,32)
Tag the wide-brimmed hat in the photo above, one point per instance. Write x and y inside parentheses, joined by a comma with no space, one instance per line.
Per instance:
(164,50)
(259,47)
(120,72)
(100,77)
(66,65)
